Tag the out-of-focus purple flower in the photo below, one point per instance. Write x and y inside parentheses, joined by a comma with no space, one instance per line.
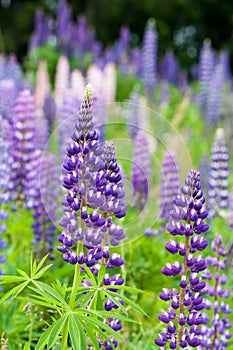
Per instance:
(4,179)
(141,170)
(41,131)
(42,194)
(224,61)
(149,58)
(61,80)
(169,68)
(22,143)
(133,113)
(42,88)
(8,92)
(218,175)
(206,69)
(136,62)
(214,99)
(42,31)
(185,314)
(170,183)
(216,331)
(49,110)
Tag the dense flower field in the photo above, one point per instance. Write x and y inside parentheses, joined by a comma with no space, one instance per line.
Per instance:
(116,194)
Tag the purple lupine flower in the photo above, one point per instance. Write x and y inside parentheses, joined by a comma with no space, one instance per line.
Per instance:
(95,196)
(133,113)
(136,61)
(185,314)
(218,175)
(42,31)
(206,69)
(149,58)
(64,25)
(224,61)
(169,68)
(41,193)
(4,179)
(170,184)
(214,99)
(22,143)
(49,110)
(41,131)
(8,92)
(42,88)
(141,170)
(215,333)
(98,187)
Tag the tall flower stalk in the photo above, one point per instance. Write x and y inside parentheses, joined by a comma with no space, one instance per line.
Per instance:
(95,196)
(216,332)
(186,219)
(218,177)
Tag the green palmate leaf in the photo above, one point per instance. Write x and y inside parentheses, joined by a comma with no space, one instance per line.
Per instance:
(76,332)
(14,292)
(60,288)
(92,330)
(55,329)
(108,314)
(40,273)
(130,302)
(39,301)
(23,273)
(43,340)
(41,262)
(101,274)
(11,279)
(86,298)
(46,290)
(90,333)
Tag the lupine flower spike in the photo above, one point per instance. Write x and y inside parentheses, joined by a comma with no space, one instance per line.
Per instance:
(216,332)
(184,314)
(218,177)
(95,196)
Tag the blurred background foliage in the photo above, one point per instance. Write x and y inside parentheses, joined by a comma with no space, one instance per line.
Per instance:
(181,24)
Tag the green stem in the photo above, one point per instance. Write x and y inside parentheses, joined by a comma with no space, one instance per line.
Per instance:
(76,281)
(65,336)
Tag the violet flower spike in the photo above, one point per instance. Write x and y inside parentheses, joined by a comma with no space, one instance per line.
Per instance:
(185,314)
(216,333)
(218,176)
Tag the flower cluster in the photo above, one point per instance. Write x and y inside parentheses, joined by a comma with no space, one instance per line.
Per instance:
(206,68)
(215,333)
(149,58)
(95,196)
(4,179)
(184,316)
(23,143)
(218,176)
